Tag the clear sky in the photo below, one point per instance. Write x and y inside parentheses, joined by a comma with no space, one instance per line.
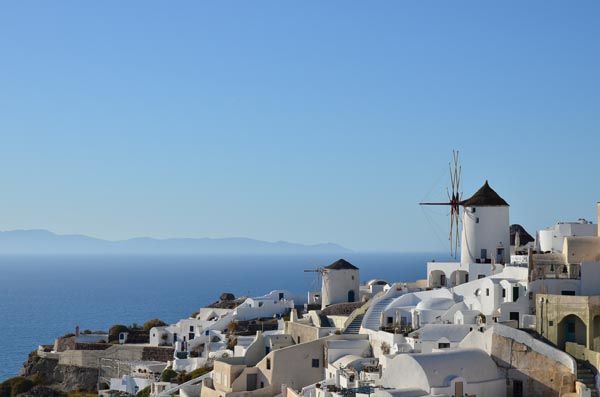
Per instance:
(306,121)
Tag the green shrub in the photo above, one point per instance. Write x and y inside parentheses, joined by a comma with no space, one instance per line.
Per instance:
(115,330)
(17,385)
(145,392)
(168,375)
(155,322)
(199,372)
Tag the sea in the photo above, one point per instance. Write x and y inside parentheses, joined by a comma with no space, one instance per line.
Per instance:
(43,297)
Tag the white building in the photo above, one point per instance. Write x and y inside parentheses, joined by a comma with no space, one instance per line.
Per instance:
(552,238)
(275,303)
(340,283)
(433,337)
(449,373)
(451,274)
(486,228)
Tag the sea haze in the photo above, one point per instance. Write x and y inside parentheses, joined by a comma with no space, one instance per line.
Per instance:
(45,296)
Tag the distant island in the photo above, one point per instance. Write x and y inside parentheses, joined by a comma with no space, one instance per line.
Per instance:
(46,242)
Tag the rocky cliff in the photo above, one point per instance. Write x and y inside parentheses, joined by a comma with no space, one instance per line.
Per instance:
(66,378)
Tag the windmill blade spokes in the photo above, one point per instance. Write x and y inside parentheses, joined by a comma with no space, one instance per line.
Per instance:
(454,201)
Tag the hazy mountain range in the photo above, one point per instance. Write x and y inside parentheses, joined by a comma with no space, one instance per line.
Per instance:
(46,242)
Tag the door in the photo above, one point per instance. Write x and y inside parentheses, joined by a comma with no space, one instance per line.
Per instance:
(500,255)
(251,382)
(570,337)
(515,293)
(351,296)
(458,389)
(443,280)
(517,388)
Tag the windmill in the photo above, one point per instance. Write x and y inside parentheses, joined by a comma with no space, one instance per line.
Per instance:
(454,202)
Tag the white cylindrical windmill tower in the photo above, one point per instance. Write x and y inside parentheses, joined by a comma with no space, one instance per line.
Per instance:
(340,283)
(485,228)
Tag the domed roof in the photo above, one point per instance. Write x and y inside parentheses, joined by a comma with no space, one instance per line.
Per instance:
(377,281)
(485,197)
(341,264)
(436,304)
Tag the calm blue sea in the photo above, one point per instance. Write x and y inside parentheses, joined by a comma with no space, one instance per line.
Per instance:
(42,297)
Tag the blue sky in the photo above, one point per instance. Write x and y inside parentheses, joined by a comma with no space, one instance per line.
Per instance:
(302,121)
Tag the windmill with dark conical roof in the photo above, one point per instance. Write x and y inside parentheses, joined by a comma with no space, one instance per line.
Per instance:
(485,236)
(340,283)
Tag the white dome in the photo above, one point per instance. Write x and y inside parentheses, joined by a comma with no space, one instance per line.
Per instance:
(436,304)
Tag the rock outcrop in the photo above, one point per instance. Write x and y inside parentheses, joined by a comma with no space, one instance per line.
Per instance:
(65,378)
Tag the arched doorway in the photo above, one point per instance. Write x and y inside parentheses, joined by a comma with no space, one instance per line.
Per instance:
(437,279)
(571,329)
(351,296)
(459,277)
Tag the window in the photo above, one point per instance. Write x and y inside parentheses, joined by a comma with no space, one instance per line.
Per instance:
(484,254)
(551,323)
(262,385)
(298,339)
(514,316)
(515,293)
(260,304)
(480,276)
(390,320)
(503,292)
(315,363)
(443,345)
(191,328)
(487,292)
(268,363)
(191,336)
(477,220)
(473,210)
(566,292)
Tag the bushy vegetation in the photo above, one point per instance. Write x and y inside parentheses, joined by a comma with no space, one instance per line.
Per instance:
(17,385)
(168,375)
(145,392)
(186,377)
(115,330)
(155,322)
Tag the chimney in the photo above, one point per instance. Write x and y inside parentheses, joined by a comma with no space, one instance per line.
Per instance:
(77,330)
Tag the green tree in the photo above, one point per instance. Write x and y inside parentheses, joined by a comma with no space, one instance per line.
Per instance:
(115,330)
(168,375)
(145,392)
(155,322)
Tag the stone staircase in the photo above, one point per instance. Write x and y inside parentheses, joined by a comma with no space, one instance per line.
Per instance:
(354,326)
(373,321)
(585,375)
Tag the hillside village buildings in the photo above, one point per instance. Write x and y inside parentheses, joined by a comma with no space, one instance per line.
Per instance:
(515,316)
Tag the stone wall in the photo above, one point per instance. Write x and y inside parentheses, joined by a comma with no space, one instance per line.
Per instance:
(152,353)
(541,375)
